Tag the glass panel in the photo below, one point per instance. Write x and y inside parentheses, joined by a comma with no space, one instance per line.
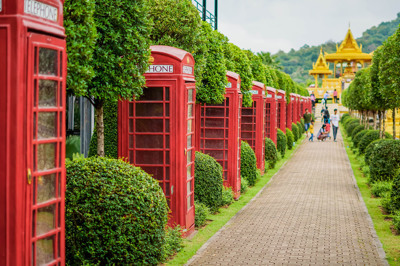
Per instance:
(189,141)
(59,185)
(152,94)
(215,112)
(131,156)
(167,125)
(190,110)
(61,94)
(167,190)
(33,222)
(190,95)
(130,125)
(189,126)
(130,141)
(61,66)
(166,173)
(61,123)
(189,172)
(214,122)
(188,188)
(247,119)
(45,220)
(34,126)
(247,111)
(167,141)
(149,125)
(46,187)
(45,250)
(156,172)
(214,133)
(167,94)
(247,135)
(47,93)
(167,157)
(167,109)
(149,109)
(188,203)
(247,127)
(130,109)
(218,155)
(149,157)
(46,154)
(48,62)
(35,92)
(149,141)
(47,125)
(189,157)
(35,61)
(214,144)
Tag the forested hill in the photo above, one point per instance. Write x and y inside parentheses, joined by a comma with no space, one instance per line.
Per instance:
(298,63)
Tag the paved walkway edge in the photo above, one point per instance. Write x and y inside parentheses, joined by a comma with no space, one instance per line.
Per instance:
(212,239)
(377,242)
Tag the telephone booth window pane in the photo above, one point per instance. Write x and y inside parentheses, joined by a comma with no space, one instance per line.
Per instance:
(152,94)
(190,110)
(35,62)
(47,125)
(46,187)
(44,250)
(167,190)
(46,154)
(167,94)
(47,93)
(215,112)
(45,219)
(190,96)
(189,141)
(149,141)
(189,157)
(149,157)
(167,109)
(48,62)
(189,127)
(149,109)
(149,125)
(189,172)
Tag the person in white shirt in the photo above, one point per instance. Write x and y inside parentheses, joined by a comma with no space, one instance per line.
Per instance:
(335,123)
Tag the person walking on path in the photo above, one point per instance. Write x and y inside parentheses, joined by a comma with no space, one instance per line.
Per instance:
(335,96)
(335,118)
(326,95)
(312,97)
(311,131)
(307,120)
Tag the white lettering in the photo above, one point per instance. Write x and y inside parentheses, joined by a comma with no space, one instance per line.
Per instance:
(41,10)
(187,70)
(160,69)
(1,5)
(279,97)
(269,96)
(254,92)
(229,85)
(238,85)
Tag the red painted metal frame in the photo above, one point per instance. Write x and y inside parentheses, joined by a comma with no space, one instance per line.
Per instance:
(289,113)
(252,123)
(218,132)
(271,114)
(281,110)
(177,131)
(20,35)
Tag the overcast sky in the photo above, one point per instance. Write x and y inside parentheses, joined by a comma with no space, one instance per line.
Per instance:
(273,25)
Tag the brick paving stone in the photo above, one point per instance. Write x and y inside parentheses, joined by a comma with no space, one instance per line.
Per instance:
(311,213)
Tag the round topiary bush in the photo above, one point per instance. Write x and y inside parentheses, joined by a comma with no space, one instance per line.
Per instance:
(370,148)
(248,164)
(289,139)
(384,161)
(115,213)
(208,182)
(356,130)
(395,193)
(349,120)
(295,131)
(344,117)
(358,137)
(351,126)
(370,136)
(301,129)
(281,142)
(271,155)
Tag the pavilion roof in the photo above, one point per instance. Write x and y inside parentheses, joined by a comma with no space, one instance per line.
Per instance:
(320,67)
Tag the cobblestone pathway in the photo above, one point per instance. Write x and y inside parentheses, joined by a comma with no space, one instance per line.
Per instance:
(311,213)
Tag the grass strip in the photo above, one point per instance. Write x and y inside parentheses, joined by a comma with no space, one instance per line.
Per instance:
(382,225)
(220,219)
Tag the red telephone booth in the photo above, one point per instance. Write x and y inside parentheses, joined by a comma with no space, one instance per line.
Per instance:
(293,101)
(271,114)
(281,110)
(32,134)
(218,132)
(303,105)
(298,107)
(289,112)
(252,123)
(156,132)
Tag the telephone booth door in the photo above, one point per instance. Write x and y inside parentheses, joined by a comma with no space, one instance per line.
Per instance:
(271,115)
(218,132)
(289,110)
(281,110)
(252,124)
(46,149)
(156,131)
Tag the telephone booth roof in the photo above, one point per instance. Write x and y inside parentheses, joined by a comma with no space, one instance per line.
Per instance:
(233,81)
(271,90)
(282,92)
(258,87)
(171,60)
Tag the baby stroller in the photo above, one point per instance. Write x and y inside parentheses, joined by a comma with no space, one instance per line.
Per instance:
(322,135)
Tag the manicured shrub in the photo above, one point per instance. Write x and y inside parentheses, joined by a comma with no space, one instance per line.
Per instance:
(357,129)
(300,127)
(271,155)
(358,137)
(378,189)
(396,221)
(370,148)
(248,164)
(395,193)
(115,213)
(344,117)
(281,142)
(208,181)
(350,120)
(289,139)
(173,241)
(72,146)
(370,136)
(201,213)
(227,196)
(351,126)
(243,186)
(295,131)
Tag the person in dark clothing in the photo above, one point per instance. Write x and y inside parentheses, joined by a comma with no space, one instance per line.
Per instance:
(307,120)
(326,115)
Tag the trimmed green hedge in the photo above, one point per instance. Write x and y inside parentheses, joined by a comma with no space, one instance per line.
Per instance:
(295,131)
(357,138)
(281,142)
(271,155)
(115,213)
(384,161)
(350,126)
(201,214)
(395,193)
(356,130)
(248,164)
(370,136)
(370,149)
(208,181)
(300,127)
(289,138)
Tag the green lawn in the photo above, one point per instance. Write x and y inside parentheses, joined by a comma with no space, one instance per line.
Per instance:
(390,242)
(220,219)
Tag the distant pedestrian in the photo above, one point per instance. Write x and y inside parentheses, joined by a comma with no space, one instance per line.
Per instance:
(335,118)
(326,95)
(326,115)
(307,120)
(312,97)
(335,96)
(311,131)
(328,128)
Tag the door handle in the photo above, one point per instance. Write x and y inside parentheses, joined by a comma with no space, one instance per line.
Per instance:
(29,176)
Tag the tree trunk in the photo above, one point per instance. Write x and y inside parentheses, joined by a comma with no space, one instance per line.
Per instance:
(394,122)
(383,124)
(374,117)
(100,129)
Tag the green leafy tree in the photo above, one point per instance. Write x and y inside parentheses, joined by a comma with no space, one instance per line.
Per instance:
(270,60)
(257,67)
